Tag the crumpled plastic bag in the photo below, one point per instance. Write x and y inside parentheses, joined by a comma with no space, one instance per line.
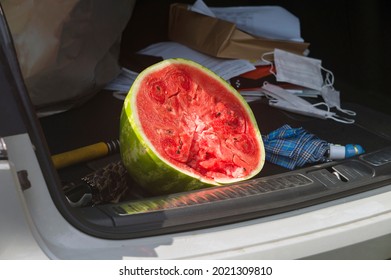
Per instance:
(67,50)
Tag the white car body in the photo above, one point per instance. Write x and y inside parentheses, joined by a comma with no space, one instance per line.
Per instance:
(351,221)
(355,227)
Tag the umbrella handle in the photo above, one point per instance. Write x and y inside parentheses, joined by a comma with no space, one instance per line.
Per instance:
(340,152)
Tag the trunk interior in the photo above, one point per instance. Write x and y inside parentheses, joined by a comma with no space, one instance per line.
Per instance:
(352,45)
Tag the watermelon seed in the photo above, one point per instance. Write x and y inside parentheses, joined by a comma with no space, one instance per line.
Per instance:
(179,147)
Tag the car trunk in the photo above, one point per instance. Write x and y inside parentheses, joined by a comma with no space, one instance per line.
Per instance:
(274,190)
(340,34)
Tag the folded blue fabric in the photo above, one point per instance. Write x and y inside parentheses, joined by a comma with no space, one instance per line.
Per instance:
(294,147)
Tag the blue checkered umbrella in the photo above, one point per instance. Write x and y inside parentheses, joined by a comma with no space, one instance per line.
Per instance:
(294,147)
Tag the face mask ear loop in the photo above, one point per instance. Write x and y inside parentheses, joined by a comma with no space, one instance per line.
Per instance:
(269,62)
(324,104)
(329,81)
(347,112)
(341,119)
(338,118)
(334,117)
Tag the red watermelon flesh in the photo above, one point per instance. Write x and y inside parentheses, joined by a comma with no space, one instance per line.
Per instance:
(196,123)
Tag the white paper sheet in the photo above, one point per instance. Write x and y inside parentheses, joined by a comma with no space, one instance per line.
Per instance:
(225,68)
(123,82)
(200,7)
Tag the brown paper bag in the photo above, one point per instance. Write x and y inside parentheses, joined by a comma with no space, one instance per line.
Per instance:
(67,50)
(221,38)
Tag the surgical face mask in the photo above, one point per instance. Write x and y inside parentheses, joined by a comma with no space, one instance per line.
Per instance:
(297,69)
(306,72)
(282,99)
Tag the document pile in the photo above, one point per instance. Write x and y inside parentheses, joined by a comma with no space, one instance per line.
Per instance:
(249,20)
(272,62)
(225,68)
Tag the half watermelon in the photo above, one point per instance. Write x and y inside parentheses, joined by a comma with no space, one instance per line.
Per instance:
(183,127)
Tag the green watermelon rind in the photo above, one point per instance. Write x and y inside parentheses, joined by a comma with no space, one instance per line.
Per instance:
(152,172)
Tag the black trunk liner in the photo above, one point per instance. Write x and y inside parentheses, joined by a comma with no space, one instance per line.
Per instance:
(98,120)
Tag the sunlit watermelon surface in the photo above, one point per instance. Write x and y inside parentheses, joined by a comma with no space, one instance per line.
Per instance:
(188,128)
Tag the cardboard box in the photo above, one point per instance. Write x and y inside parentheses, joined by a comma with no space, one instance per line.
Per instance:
(221,38)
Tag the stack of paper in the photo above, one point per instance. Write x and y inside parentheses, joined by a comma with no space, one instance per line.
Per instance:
(267,21)
(273,22)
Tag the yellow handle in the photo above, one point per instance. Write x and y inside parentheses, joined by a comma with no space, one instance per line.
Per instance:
(79,155)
